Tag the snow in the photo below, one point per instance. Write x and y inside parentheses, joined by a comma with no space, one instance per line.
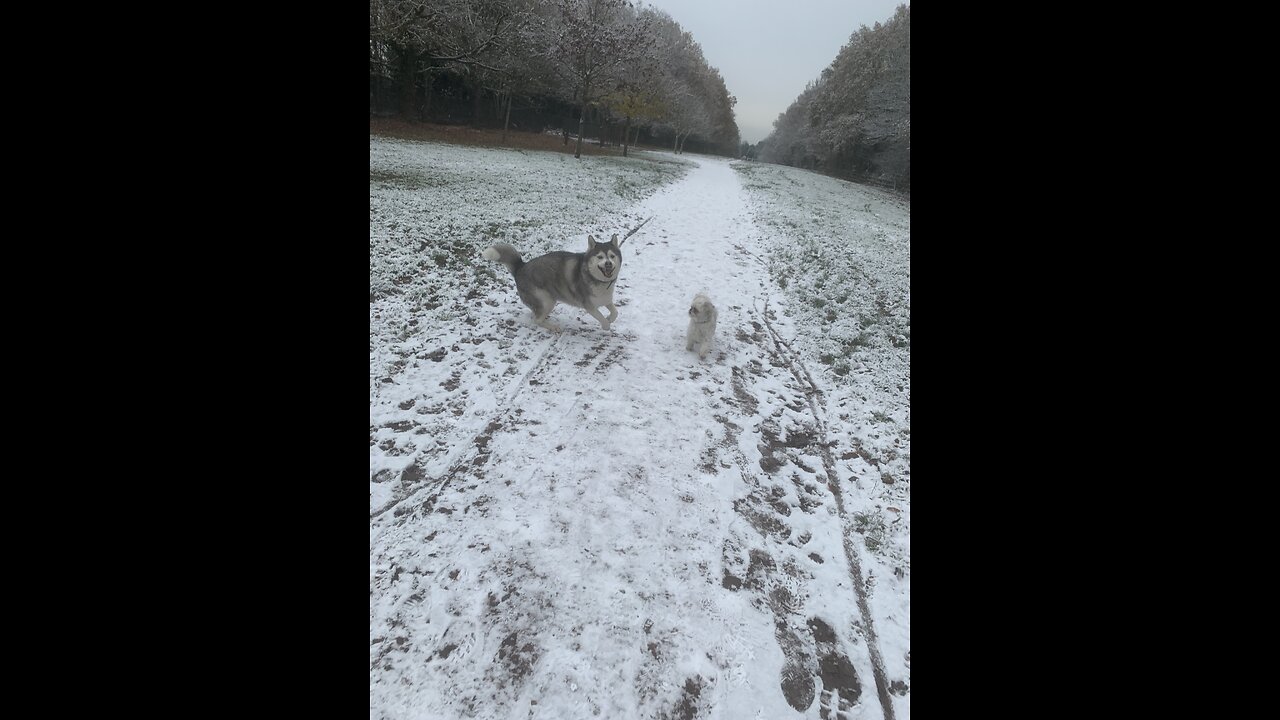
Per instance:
(596,523)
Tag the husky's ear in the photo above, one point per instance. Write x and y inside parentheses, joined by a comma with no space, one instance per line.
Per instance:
(615,240)
(591,243)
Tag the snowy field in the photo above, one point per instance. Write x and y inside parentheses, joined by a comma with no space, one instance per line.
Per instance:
(596,524)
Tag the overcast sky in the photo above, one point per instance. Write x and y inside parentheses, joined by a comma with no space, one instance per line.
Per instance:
(768,50)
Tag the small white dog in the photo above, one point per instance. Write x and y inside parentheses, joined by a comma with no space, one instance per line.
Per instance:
(702,325)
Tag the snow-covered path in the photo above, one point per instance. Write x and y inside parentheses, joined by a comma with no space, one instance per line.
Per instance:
(612,528)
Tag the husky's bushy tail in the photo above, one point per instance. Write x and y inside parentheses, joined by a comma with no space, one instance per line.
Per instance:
(504,254)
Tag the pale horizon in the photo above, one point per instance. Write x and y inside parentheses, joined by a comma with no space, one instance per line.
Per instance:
(768,51)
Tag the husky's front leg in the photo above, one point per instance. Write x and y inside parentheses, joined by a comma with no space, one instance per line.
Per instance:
(613,312)
(595,313)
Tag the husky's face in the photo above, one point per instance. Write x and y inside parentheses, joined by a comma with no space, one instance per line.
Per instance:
(604,259)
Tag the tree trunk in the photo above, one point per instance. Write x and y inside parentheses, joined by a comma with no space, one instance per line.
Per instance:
(625,130)
(430,82)
(582,121)
(475,100)
(408,62)
(675,144)
(507,123)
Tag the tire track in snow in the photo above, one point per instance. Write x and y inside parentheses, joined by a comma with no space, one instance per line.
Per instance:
(789,520)
(466,452)
(814,396)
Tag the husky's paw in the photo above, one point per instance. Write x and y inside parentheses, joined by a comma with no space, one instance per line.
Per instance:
(605,324)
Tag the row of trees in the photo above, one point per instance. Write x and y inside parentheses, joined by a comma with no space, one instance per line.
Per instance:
(606,59)
(855,120)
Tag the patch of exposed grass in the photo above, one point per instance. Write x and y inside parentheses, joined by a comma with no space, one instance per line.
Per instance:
(403,180)
(872,527)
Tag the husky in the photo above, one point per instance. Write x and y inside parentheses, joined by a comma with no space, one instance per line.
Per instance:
(583,280)
(702,325)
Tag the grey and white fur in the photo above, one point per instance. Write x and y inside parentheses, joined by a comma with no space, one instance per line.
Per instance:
(702,325)
(583,280)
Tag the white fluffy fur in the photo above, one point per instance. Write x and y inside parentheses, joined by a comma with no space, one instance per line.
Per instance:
(702,325)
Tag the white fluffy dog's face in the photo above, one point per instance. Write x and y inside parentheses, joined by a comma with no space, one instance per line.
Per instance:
(701,310)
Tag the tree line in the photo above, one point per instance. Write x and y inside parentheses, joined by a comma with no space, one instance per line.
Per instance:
(855,120)
(571,65)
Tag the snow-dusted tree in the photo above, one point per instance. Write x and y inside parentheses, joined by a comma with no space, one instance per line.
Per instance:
(694,95)
(719,105)
(439,33)
(792,139)
(589,39)
(855,120)
(526,72)
(636,99)
(636,89)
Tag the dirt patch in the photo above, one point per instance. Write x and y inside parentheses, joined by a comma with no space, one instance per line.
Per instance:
(822,632)
(859,451)
(482,440)
(770,464)
(590,355)
(760,562)
(517,660)
(613,357)
(777,501)
(840,685)
(443,652)
(802,439)
(807,493)
(771,448)
(797,677)
(412,474)
(687,707)
(746,401)
(765,523)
